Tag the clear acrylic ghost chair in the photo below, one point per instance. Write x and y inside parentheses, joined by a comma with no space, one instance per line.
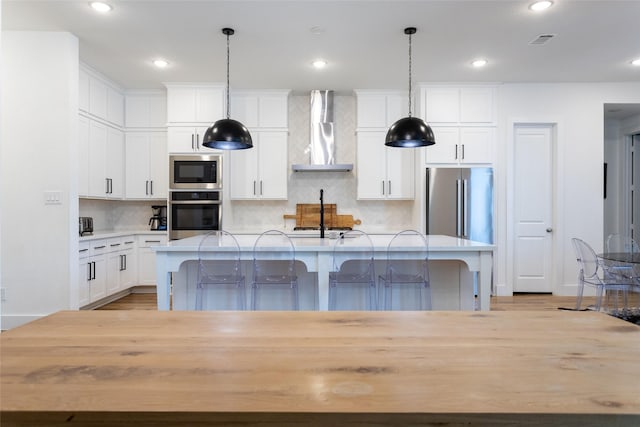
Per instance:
(353,273)
(221,279)
(617,243)
(594,273)
(406,276)
(274,273)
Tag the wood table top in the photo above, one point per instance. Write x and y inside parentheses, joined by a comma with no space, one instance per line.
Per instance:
(373,368)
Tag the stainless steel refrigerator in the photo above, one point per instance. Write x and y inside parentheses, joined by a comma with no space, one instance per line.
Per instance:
(460,203)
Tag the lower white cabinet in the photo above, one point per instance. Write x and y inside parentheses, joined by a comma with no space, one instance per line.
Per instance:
(260,173)
(384,173)
(121,265)
(147,257)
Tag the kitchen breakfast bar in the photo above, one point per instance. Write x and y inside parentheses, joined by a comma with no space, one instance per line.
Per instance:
(317,256)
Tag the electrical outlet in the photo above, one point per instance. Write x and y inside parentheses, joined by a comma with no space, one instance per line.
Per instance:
(3,294)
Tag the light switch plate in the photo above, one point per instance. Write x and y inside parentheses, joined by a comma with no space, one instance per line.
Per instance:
(53,197)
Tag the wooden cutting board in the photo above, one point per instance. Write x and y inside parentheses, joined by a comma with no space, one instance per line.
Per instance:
(308,215)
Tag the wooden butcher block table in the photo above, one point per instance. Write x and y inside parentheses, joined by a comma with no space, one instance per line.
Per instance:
(308,216)
(193,368)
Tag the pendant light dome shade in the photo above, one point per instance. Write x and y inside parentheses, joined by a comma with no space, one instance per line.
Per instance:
(227,134)
(409,132)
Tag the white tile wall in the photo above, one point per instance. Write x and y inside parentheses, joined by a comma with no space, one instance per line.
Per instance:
(118,215)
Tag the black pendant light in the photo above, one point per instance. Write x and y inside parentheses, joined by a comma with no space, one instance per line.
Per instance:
(227,134)
(409,131)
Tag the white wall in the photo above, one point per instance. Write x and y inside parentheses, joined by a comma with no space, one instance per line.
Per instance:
(577,109)
(39,153)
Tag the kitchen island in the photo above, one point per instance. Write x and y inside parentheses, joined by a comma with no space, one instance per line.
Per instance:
(316,254)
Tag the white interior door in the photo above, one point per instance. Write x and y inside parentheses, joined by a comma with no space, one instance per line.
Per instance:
(533,198)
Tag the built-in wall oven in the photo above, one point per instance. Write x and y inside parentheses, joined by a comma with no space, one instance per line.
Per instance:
(195,172)
(194,212)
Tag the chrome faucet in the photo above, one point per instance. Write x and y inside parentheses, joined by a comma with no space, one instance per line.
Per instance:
(321,213)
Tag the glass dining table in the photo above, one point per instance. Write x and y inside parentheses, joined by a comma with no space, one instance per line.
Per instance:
(627,265)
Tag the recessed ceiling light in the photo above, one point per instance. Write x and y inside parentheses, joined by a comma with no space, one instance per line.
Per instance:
(636,62)
(319,63)
(541,5)
(101,7)
(160,63)
(479,63)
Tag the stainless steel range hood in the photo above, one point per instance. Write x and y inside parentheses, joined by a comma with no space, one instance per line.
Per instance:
(322,157)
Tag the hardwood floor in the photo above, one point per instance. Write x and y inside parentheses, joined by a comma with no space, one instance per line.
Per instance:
(533,302)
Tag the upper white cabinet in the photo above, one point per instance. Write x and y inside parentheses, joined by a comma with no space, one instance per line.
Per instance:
(194,103)
(146,165)
(100,98)
(146,110)
(260,172)
(191,109)
(101,160)
(380,109)
(461,145)
(383,172)
(463,106)
(260,109)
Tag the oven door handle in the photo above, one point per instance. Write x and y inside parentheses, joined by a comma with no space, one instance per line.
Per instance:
(195,202)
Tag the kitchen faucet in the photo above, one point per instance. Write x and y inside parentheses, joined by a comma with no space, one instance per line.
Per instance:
(321,213)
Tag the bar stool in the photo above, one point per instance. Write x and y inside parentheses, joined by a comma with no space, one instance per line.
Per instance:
(221,277)
(353,271)
(276,276)
(405,275)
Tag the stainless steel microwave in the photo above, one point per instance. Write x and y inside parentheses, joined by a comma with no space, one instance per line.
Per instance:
(195,172)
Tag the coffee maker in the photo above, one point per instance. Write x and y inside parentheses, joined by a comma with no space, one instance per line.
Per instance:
(159,219)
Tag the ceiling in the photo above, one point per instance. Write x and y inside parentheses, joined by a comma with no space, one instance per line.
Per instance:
(363,41)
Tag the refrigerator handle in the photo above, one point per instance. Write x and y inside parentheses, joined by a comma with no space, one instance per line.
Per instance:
(465,209)
(459,207)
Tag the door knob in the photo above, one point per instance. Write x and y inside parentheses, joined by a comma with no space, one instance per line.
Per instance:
(549,230)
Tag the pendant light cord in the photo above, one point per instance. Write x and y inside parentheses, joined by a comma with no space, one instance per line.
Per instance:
(409,74)
(228,113)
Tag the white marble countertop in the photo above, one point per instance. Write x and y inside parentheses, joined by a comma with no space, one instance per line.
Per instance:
(119,233)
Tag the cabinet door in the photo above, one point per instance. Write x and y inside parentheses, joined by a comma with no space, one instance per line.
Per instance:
(97,98)
(158,166)
(371,110)
(181,139)
(83,156)
(400,173)
(476,145)
(115,106)
(477,105)
(209,105)
(445,150)
(272,165)
(84,280)
(98,285)
(97,156)
(83,91)
(371,165)
(441,105)
(181,106)
(147,258)
(243,169)
(244,108)
(128,271)
(115,163)
(113,272)
(137,166)
(273,111)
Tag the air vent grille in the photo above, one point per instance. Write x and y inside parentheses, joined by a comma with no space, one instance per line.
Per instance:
(542,39)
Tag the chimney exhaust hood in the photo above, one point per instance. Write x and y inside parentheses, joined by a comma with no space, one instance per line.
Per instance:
(322,148)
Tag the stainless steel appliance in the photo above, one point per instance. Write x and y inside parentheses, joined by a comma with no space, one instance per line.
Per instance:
(159,219)
(195,172)
(460,203)
(194,212)
(85,226)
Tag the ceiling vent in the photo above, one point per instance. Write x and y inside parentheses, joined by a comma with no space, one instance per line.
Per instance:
(542,39)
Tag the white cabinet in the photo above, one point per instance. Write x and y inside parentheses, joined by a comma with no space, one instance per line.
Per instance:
(377,109)
(473,105)
(83,156)
(461,145)
(121,264)
(383,172)
(147,257)
(261,172)
(101,160)
(195,103)
(146,165)
(260,109)
(187,139)
(100,97)
(129,264)
(97,270)
(145,110)
(85,272)
(114,163)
